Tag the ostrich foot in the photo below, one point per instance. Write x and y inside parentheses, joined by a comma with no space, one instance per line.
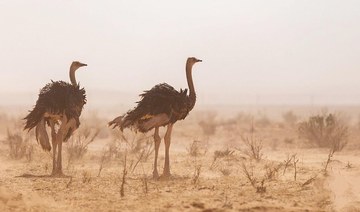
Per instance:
(155,175)
(165,176)
(58,173)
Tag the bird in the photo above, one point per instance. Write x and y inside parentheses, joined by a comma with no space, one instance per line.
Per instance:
(59,106)
(158,107)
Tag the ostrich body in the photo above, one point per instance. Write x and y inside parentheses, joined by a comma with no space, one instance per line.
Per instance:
(59,106)
(160,106)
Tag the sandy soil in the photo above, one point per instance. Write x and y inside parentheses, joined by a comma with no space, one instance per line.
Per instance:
(220,185)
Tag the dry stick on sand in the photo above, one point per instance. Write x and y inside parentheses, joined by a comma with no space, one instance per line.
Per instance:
(123,181)
(287,162)
(105,157)
(295,160)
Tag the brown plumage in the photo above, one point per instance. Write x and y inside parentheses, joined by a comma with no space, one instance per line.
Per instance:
(160,106)
(161,99)
(59,103)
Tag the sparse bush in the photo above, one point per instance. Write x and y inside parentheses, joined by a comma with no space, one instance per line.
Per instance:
(253,147)
(290,118)
(209,125)
(19,146)
(263,121)
(245,118)
(79,143)
(288,140)
(287,162)
(325,130)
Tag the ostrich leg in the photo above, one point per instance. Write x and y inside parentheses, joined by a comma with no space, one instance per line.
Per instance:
(64,128)
(59,140)
(157,140)
(54,146)
(167,139)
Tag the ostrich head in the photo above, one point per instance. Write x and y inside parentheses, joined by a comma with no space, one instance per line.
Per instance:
(76,64)
(192,60)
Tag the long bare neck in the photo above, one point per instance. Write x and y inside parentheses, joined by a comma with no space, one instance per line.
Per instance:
(72,75)
(192,95)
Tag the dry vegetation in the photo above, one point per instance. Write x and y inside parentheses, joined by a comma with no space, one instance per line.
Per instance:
(219,163)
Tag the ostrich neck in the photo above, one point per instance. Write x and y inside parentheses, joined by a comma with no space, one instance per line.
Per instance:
(192,95)
(72,76)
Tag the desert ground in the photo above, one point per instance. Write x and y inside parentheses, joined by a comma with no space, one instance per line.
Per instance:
(222,159)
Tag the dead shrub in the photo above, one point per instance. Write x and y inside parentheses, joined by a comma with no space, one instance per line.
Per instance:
(104,159)
(249,174)
(325,130)
(272,170)
(134,142)
(253,147)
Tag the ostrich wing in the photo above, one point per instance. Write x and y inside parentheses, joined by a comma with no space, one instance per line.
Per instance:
(158,106)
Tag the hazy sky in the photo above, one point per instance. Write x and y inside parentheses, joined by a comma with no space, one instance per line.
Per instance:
(255,49)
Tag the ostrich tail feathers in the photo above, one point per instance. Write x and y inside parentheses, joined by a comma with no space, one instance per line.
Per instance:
(33,118)
(42,136)
(117,122)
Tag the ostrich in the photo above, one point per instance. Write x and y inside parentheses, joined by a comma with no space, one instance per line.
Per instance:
(160,106)
(59,106)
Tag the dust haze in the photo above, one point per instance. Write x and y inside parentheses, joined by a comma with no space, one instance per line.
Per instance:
(275,126)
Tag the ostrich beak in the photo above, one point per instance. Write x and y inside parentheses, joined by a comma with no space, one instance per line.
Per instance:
(197,60)
(83,64)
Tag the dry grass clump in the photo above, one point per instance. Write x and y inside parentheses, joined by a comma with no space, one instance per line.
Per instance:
(86,177)
(133,142)
(220,154)
(197,148)
(19,146)
(272,170)
(326,130)
(225,171)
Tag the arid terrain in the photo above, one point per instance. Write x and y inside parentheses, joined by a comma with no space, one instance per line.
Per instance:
(233,159)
